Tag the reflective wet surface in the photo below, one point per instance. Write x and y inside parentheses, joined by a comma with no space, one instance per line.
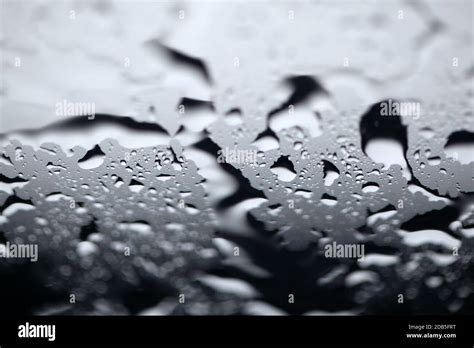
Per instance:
(201,157)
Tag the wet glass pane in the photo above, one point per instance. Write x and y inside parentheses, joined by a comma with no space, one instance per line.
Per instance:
(236,157)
